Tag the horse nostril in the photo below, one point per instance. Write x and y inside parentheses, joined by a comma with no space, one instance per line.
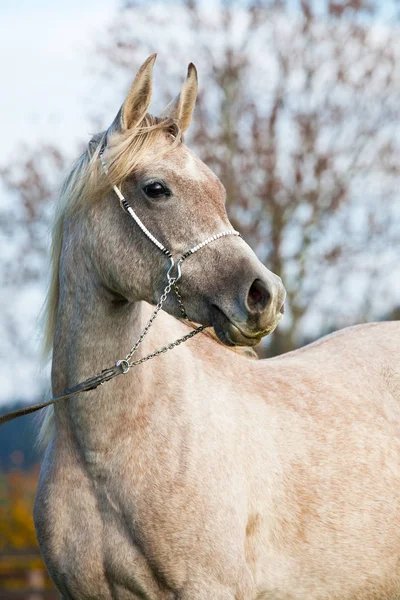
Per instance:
(258,297)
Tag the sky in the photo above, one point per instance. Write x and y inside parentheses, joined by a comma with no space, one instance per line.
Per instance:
(47,94)
(46,67)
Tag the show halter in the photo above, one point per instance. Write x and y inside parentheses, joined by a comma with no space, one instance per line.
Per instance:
(123,365)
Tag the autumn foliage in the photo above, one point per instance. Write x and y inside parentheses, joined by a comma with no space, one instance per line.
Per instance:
(17,492)
(22,571)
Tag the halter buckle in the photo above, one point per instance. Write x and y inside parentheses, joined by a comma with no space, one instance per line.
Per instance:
(178,275)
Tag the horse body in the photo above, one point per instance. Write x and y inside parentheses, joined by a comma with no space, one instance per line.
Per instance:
(239,479)
(202,474)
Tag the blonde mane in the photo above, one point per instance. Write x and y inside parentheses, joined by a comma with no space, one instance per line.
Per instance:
(87,182)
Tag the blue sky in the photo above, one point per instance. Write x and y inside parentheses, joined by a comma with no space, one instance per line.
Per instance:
(46,50)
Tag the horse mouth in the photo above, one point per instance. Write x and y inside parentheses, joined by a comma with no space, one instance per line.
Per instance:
(230,334)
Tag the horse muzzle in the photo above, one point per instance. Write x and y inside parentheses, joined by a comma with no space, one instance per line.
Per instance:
(258,316)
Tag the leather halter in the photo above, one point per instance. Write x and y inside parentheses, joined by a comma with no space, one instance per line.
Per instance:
(123,366)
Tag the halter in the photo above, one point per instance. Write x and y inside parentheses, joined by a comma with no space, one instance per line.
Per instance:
(125,364)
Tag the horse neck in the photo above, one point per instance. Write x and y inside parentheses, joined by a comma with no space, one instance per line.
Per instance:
(91,334)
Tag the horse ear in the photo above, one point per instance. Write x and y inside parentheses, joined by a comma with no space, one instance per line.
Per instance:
(138,99)
(181,108)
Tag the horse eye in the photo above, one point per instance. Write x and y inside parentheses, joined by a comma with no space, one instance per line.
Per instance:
(156,189)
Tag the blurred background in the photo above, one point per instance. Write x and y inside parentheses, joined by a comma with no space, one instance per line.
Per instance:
(298,114)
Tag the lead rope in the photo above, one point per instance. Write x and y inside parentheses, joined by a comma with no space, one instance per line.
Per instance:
(123,366)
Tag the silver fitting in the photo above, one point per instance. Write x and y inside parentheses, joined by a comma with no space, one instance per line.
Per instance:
(123,364)
(178,275)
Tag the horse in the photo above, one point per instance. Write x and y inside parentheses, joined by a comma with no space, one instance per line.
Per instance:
(202,474)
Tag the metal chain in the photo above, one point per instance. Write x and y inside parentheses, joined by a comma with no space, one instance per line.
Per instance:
(168,346)
(171,284)
(151,320)
(180,301)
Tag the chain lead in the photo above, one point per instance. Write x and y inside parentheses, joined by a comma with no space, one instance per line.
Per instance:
(168,346)
(151,320)
(125,363)
(180,301)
